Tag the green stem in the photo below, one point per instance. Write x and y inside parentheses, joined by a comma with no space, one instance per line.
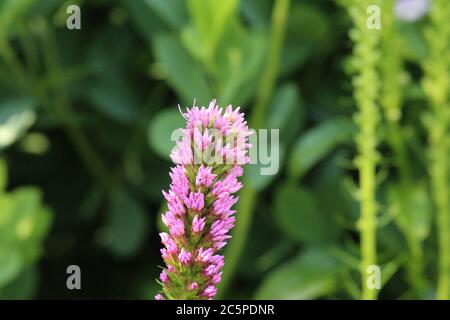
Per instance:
(367,225)
(247,197)
(436,85)
(391,100)
(265,90)
(366,90)
(397,142)
(441,191)
(415,266)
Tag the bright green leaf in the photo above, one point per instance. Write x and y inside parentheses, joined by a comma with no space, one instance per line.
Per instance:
(183,73)
(209,19)
(413,41)
(24,222)
(11,263)
(22,287)
(239,59)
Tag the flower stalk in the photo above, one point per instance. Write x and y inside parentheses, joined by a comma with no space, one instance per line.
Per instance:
(436,85)
(366,89)
(394,82)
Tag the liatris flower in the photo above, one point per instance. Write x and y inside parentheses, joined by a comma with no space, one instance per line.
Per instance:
(209,161)
(411,10)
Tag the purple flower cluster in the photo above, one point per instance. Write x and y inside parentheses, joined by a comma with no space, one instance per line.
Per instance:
(209,158)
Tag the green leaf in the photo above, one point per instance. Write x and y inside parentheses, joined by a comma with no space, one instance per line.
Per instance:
(210,20)
(239,59)
(127,224)
(145,20)
(24,222)
(230,54)
(298,214)
(11,11)
(257,12)
(11,263)
(315,144)
(258,180)
(184,74)
(201,14)
(413,41)
(16,117)
(160,131)
(172,12)
(285,113)
(306,35)
(7,209)
(388,270)
(114,100)
(412,208)
(310,275)
(22,287)
(31,222)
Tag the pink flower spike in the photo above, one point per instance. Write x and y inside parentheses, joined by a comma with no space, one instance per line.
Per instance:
(174,203)
(170,244)
(217,278)
(180,183)
(193,286)
(204,177)
(163,276)
(204,255)
(198,224)
(164,253)
(210,292)
(176,226)
(208,157)
(210,270)
(195,201)
(185,257)
(159,297)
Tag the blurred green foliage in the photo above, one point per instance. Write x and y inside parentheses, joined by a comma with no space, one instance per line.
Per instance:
(24,223)
(86,117)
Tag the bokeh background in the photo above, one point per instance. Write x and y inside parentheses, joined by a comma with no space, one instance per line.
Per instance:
(85,123)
